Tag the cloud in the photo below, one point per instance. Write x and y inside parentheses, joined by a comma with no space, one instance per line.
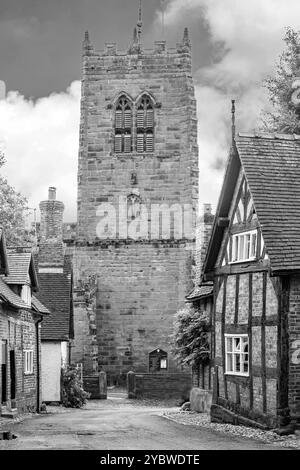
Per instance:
(40,140)
(247,40)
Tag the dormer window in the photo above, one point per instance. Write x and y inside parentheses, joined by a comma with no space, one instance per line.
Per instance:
(244,247)
(26,295)
(123,126)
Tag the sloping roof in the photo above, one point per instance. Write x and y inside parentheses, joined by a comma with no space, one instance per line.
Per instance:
(204,290)
(271,164)
(10,297)
(38,306)
(21,269)
(55,293)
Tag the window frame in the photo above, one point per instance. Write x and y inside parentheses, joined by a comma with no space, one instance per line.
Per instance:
(142,132)
(236,248)
(123,132)
(28,361)
(234,353)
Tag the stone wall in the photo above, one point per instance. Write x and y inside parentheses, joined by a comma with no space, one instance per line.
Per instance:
(162,386)
(19,330)
(294,349)
(139,288)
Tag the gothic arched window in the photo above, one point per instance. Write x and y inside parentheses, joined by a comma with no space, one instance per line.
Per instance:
(145,125)
(123,126)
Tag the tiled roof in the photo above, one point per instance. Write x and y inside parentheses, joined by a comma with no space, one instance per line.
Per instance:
(204,290)
(10,297)
(272,167)
(271,164)
(19,268)
(55,293)
(37,305)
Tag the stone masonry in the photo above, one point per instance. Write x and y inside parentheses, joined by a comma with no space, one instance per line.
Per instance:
(140,283)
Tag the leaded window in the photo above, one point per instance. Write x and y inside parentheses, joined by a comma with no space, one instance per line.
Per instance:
(123,126)
(145,125)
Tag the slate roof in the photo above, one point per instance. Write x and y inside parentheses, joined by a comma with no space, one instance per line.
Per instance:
(38,306)
(21,269)
(204,290)
(271,164)
(55,293)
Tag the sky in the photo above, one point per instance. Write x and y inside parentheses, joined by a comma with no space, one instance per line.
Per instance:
(235,46)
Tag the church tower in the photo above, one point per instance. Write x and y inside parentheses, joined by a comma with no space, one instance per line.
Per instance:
(137,204)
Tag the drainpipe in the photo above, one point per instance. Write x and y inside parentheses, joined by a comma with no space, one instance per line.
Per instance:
(38,359)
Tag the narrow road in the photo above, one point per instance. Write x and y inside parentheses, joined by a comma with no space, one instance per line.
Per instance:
(117,424)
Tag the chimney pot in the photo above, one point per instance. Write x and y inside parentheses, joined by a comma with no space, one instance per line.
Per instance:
(52,193)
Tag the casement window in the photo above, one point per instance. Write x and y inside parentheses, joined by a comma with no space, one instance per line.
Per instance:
(244,247)
(123,126)
(26,294)
(28,361)
(237,354)
(145,125)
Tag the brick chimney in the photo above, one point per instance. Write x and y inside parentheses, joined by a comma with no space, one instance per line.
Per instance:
(203,232)
(51,249)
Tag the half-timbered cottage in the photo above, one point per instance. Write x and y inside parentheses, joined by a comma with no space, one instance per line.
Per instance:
(253,258)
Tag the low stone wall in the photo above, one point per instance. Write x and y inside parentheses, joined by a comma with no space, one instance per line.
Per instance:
(200,400)
(173,385)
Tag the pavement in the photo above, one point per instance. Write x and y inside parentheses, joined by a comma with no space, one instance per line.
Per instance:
(118,424)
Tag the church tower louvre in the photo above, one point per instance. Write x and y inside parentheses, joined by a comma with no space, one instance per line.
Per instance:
(137,204)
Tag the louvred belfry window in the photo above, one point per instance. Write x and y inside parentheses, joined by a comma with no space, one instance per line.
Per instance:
(145,125)
(123,126)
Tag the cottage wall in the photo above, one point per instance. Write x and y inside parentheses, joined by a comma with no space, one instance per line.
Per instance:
(19,330)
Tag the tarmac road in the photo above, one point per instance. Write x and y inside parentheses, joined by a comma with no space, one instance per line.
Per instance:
(118,424)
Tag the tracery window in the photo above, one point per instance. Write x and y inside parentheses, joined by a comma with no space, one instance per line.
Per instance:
(145,125)
(123,125)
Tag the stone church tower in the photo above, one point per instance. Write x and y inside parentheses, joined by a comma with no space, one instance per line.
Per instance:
(137,204)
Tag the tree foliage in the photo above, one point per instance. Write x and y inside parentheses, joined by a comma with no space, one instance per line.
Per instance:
(284,116)
(73,394)
(12,210)
(190,336)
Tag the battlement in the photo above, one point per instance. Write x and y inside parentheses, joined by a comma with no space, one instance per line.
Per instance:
(136,48)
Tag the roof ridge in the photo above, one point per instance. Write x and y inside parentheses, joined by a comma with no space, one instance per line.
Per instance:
(269,135)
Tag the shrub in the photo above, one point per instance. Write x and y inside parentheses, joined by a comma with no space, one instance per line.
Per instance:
(190,336)
(73,394)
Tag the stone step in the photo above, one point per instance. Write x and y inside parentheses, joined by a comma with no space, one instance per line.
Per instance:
(12,413)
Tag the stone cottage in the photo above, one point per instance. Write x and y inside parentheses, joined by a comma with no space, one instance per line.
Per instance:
(253,259)
(20,316)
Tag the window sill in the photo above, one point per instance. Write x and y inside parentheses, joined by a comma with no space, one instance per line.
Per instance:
(250,260)
(237,374)
(28,373)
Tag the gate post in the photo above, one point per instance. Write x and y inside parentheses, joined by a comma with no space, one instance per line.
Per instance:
(102,385)
(131,388)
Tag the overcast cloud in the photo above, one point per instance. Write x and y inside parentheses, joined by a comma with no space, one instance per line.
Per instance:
(245,40)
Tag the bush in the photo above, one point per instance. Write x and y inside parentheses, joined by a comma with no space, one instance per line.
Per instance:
(190,336)
(73,394)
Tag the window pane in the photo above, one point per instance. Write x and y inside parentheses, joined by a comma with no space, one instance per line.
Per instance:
(241,247)
(229,344)
(140,143)
(118,143)
(150,118)
(247,246)
(119,123)
(149,142)
(127,143)
(253,245)
(237,360)
(128,118)
(237,344)
(140,118)
(229,363)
